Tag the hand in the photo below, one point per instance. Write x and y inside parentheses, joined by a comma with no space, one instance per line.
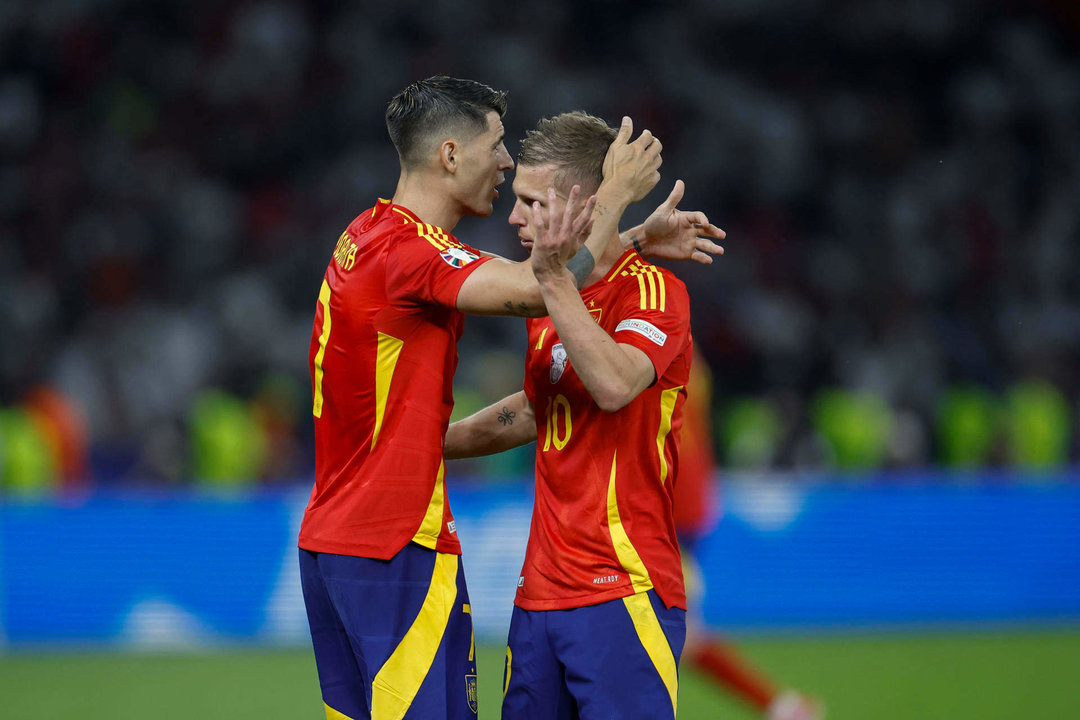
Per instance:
(634,167)
(677,234)
(560,236)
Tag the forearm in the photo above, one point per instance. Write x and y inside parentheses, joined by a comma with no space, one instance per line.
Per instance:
(501,426)
(612,376)
(611,203)
(501,287)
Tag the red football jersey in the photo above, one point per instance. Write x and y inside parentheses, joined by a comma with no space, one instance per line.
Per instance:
(382,360)
(695,493)
(602,523)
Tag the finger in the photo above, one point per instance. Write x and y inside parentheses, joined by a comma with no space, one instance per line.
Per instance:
(585,216)
(539,220)
(656,146)
(625,130)
(700,257)
(707,246)
(645,139)
(585,232)
(674,197)
(704,227)
(571,206)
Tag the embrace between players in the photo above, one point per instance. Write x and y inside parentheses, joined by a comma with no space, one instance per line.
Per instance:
(599,618)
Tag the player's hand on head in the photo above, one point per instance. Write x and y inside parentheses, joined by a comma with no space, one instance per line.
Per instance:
(678,234)
(559,235)
(633,166)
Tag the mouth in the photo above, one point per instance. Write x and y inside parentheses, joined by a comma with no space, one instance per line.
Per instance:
(526,243)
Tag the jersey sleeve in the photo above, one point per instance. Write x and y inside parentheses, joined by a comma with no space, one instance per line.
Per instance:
(429,269)
(655,320)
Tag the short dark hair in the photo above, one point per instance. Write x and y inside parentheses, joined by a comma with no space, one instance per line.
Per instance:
(435,105)
(576,143)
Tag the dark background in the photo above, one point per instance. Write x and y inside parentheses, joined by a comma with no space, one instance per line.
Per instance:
(899,180)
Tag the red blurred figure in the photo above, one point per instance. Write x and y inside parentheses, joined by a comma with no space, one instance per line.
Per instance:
(696,512)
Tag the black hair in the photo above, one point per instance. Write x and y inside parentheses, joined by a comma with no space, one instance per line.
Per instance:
(429,107)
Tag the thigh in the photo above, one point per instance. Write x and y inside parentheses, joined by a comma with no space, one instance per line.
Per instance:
(621,657)
(407,625)
(534,684)
(448,689)
(343,675)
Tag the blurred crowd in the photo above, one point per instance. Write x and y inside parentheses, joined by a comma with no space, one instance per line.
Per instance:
(899,180)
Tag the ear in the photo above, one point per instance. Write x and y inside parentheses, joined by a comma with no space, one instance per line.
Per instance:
(448,154)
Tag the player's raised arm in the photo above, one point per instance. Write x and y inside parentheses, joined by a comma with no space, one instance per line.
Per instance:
(675,234)
(613,373)
(631,170)
(503,287)
(501,426)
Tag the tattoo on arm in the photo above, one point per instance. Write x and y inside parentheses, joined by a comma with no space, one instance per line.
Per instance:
(637,245)
(581,265)
(522,308)
(506,417)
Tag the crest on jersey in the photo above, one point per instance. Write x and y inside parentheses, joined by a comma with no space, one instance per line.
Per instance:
(458,257)
(558,362)
(470,691)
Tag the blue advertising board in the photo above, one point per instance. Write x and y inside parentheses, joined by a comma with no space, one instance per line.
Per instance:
(175,569)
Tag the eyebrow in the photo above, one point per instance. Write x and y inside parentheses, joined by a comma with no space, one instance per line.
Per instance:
(529,198)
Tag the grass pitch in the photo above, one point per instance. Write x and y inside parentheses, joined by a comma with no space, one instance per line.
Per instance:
(1003,675)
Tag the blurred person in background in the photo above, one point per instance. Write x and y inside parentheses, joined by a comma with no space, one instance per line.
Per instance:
(600,607)
(385,592)
(695,512)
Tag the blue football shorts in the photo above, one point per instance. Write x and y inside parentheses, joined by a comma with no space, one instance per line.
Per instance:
(616,660)
(392,638)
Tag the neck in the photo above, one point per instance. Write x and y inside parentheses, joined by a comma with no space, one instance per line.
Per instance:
(424,197)
(612,252)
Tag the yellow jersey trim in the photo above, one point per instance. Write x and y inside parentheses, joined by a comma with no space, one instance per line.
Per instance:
(667,409)
(651,287)
(655,643)
(616,271)
(624,549)
(399,679)
(324,337)
(386,358)
(431,526)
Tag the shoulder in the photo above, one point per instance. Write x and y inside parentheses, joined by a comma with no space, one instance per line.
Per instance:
(652,285)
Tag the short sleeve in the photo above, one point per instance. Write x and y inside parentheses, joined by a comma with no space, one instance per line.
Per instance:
(428,269)
(655,320)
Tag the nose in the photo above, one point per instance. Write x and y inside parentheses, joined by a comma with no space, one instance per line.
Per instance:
(505,161)
(516,216)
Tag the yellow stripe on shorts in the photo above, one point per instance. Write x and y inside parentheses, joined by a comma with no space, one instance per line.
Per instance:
(332,714)
(400,677)
(509,665)
(655,643)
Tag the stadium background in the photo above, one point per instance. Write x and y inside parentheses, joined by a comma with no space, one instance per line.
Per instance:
(894,331)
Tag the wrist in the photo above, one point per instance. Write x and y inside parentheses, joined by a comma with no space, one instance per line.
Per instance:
(553,278)
(613,196)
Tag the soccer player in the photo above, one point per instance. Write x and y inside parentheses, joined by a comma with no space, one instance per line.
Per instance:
(385,593)
(599,617)
(695,515)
